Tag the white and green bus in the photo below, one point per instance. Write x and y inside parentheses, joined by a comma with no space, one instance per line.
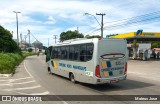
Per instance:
(94,61)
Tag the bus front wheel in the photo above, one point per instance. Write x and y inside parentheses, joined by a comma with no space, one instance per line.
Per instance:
(49,70)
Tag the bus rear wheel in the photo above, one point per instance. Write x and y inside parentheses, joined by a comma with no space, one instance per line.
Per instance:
(72,79)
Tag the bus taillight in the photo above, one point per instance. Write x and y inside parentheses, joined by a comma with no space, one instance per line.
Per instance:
(97,71)
(126,67)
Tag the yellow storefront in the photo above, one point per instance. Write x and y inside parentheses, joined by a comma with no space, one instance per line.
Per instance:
(134,34)
(142,39)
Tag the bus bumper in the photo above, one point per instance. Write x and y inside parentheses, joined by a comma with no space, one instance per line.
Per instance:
(111,80)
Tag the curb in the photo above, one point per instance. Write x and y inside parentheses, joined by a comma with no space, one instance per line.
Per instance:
(6,75)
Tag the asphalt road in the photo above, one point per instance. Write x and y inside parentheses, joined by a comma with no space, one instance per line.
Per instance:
(32,78)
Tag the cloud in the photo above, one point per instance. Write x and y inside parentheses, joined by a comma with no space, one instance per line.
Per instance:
(51,20)
(47,17)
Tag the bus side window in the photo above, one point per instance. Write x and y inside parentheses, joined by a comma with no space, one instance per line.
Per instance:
(89,51)
(82,52)
(71,53)
(76,52)
(63,52)
(59,52)
(67,53)
(52,53)
(55,53)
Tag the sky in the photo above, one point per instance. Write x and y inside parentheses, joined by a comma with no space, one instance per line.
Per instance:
(45,18)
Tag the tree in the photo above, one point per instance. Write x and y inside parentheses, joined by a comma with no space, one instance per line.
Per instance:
(95,36)
(112,35)
(30,50)
(155,44)
(6,42)
(70,35)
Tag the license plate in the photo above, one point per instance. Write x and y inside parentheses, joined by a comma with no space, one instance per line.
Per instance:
(113,81)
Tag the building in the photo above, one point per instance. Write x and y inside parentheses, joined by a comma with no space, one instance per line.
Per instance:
(139,36)
(37,44)
(138,41)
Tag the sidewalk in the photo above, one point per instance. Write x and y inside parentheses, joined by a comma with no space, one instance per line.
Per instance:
(21,83)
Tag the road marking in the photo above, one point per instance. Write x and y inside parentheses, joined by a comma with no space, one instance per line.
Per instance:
(137,73)
(11,80)
(24,88)
(11,84)
(6,84)
(5,80)
(24,82)
(3,77)
(44,93)
(27,70)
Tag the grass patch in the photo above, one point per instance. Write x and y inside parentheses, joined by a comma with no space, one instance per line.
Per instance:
(8,61)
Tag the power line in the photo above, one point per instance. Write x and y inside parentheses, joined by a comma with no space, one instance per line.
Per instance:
(127,20)
(136,17)
(33,36)
(95,31)
(131,24)
(94,28)
(133,20)
(134,24)
(152,19)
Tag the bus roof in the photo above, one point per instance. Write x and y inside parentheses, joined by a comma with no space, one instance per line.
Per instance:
(82,40)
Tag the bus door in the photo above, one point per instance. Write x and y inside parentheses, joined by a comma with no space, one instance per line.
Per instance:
(48,54)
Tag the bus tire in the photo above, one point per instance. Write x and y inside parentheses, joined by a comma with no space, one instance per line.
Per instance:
(72,79)
(49,70)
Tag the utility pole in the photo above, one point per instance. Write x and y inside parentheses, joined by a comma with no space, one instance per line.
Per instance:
(48,42)
(21,40)
(17,26)
(102,14)
(77,29)
(29,37)
(21,36)
(25,41)
(100,24)
(55,37)
(12,34)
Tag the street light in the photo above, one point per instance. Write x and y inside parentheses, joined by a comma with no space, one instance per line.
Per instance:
(94,18)
(17,26)
(101,25)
